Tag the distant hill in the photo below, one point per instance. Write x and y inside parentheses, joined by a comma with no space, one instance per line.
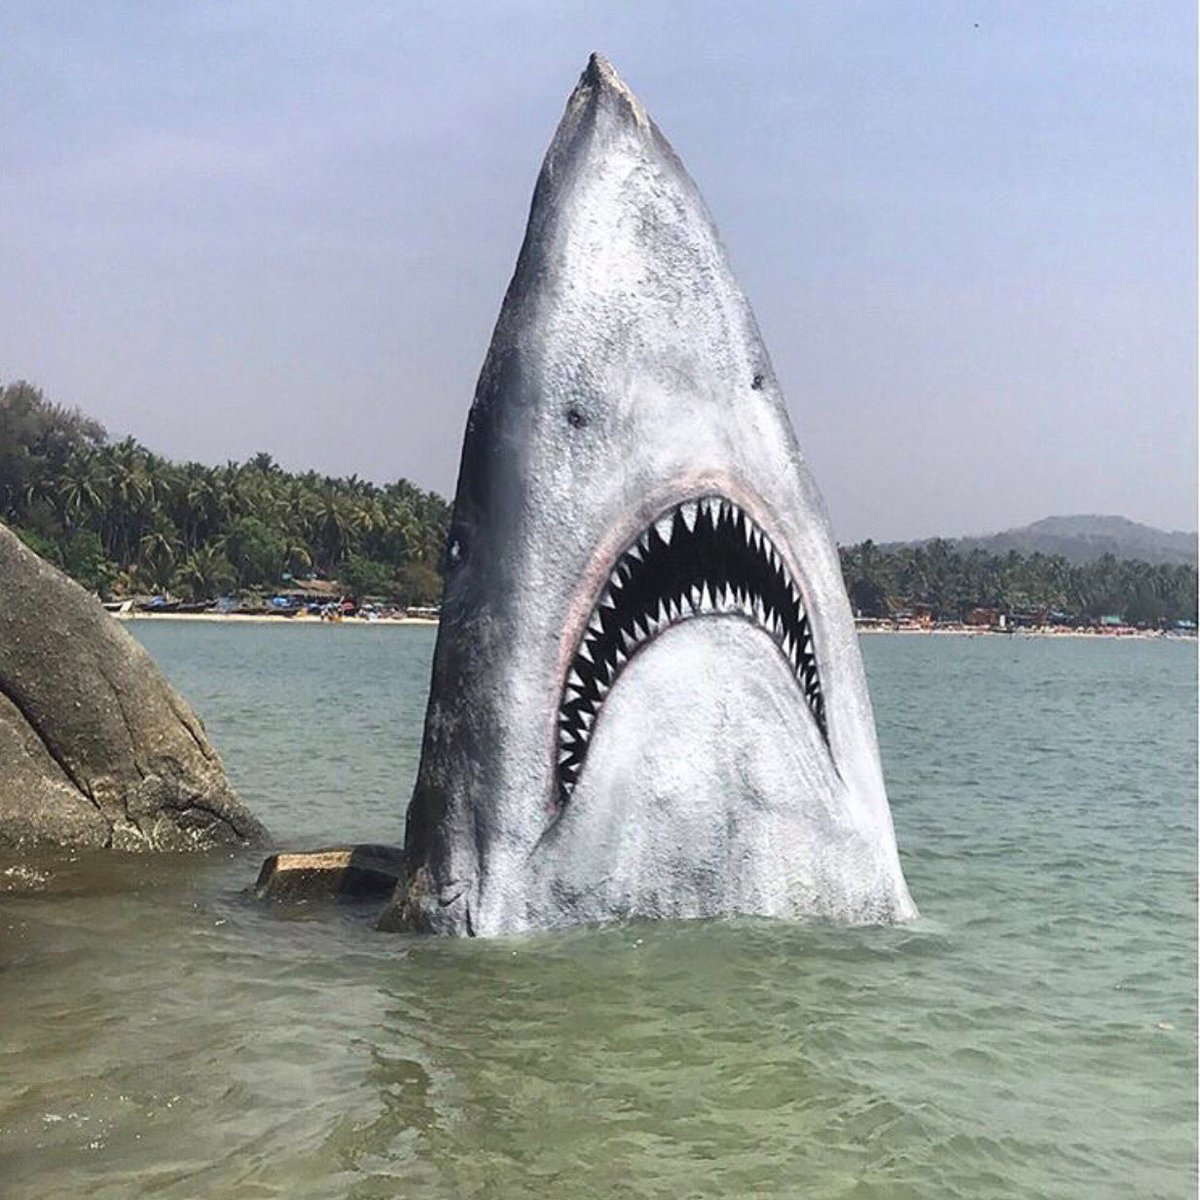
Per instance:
(1083,539)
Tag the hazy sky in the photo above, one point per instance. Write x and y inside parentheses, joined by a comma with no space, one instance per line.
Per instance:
(967,229)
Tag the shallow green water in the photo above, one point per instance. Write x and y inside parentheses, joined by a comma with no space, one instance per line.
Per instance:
(1033,1034)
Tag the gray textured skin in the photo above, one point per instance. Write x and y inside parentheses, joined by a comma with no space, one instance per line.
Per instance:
(626,374)
(96,748)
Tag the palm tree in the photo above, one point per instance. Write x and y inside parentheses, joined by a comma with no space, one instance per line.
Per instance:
(204,574)
(157,551)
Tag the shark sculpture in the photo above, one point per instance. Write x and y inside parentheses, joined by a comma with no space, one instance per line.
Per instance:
(647,696)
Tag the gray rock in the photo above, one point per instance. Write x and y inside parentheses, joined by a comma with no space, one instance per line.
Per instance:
(336,873)
(96,748)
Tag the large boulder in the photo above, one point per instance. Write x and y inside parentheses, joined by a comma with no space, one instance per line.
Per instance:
(96,747)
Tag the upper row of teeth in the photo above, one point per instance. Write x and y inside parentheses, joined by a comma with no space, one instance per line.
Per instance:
(716,509)
(704,597)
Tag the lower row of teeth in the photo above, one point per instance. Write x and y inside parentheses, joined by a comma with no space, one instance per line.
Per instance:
(700,601)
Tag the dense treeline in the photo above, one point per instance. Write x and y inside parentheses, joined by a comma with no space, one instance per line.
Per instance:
(124,521)
(950,585)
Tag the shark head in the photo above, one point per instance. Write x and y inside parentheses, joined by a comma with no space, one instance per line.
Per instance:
(647,694)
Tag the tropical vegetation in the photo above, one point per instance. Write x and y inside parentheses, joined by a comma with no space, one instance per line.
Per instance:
(123,520)
(950,586)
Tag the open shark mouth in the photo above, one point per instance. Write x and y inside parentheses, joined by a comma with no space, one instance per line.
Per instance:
(702,558)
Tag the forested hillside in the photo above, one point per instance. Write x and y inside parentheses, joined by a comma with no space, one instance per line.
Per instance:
(123,520)
(881,581)
(1083,539)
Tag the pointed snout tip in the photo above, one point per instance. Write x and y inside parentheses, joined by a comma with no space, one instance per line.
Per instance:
(600,77)
(599,69)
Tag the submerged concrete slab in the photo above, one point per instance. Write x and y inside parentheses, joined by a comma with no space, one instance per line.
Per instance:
(364,872)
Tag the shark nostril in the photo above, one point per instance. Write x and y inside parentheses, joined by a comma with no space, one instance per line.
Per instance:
(757,382)
(576,419)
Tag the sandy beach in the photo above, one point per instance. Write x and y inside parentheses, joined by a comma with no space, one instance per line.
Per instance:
(306,619)
(1123,635)
(269,619)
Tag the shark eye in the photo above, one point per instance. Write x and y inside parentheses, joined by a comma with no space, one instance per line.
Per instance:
(576,419)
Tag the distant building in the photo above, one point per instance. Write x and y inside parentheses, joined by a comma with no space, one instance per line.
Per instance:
(861,622)
(983,617)
(922,613)
(1029,618)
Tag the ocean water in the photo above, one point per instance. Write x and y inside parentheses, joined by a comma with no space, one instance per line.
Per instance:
(1033,1034)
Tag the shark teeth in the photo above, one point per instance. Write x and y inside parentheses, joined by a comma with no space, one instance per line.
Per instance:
(704,557)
